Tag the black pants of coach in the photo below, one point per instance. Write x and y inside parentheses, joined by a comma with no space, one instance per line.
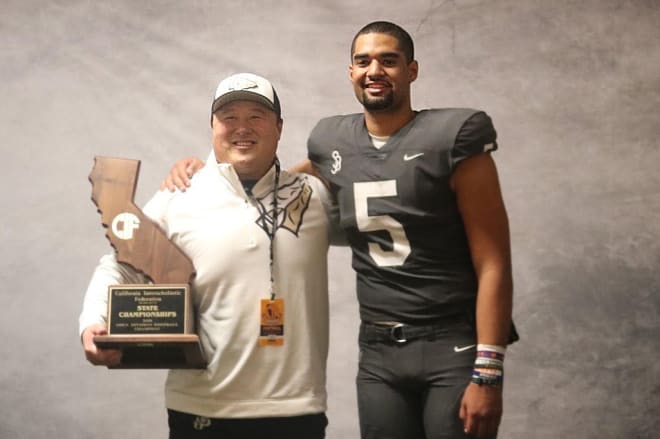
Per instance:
(187,426)
(411,380)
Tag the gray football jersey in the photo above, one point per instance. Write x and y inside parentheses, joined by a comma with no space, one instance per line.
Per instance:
(410,250)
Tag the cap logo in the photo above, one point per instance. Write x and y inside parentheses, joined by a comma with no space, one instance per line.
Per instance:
(239,84)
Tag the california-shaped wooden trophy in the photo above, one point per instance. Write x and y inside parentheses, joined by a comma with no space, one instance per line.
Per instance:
(153,324)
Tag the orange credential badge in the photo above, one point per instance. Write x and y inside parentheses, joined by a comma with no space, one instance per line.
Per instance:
(271,328)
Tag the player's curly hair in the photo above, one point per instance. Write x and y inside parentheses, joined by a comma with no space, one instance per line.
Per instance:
(385,27)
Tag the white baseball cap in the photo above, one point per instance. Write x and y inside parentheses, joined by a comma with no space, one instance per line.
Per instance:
(246,86)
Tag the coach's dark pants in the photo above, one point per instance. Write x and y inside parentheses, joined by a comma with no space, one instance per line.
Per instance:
(187,426)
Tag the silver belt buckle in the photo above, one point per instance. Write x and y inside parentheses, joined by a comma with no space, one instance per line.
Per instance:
(396,332)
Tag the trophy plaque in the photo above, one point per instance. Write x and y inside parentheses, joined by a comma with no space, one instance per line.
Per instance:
(153,324)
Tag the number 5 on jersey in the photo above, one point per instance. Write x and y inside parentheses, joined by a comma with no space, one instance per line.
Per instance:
(366,223)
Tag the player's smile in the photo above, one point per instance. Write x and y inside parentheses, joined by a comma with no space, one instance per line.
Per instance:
(377,87)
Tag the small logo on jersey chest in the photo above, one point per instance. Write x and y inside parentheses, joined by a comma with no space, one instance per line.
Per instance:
(407,157)
(336,166)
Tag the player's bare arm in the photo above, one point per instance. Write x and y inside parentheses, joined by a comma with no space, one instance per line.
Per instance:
(183,170)
(479,198)
(307,167)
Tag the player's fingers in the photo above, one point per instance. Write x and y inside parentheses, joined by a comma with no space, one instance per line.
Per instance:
(464,415)
(168,182)
(470,423)
(485,427)
(490,426)
(194,166)
(181,182)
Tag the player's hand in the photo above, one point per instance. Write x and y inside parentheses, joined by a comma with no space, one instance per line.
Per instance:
(481,410)
(180,174)
(94,354)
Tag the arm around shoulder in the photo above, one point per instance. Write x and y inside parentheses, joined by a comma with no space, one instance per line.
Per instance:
(336,234)
(180,174)
(306,167)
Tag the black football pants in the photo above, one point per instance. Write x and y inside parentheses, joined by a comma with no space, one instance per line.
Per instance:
(413,389)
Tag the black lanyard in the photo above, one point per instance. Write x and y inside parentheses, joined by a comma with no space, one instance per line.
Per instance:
(273,228)
(274,225)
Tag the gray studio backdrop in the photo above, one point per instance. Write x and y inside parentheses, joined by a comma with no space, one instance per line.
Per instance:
(573,88)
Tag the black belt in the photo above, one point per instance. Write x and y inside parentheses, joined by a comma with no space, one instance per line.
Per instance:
(401,332)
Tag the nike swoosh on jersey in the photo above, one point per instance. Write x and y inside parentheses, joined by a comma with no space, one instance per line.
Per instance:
(407,157)
(463,348)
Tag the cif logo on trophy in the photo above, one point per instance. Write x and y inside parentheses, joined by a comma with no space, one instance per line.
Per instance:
(153,323)
(124,224)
